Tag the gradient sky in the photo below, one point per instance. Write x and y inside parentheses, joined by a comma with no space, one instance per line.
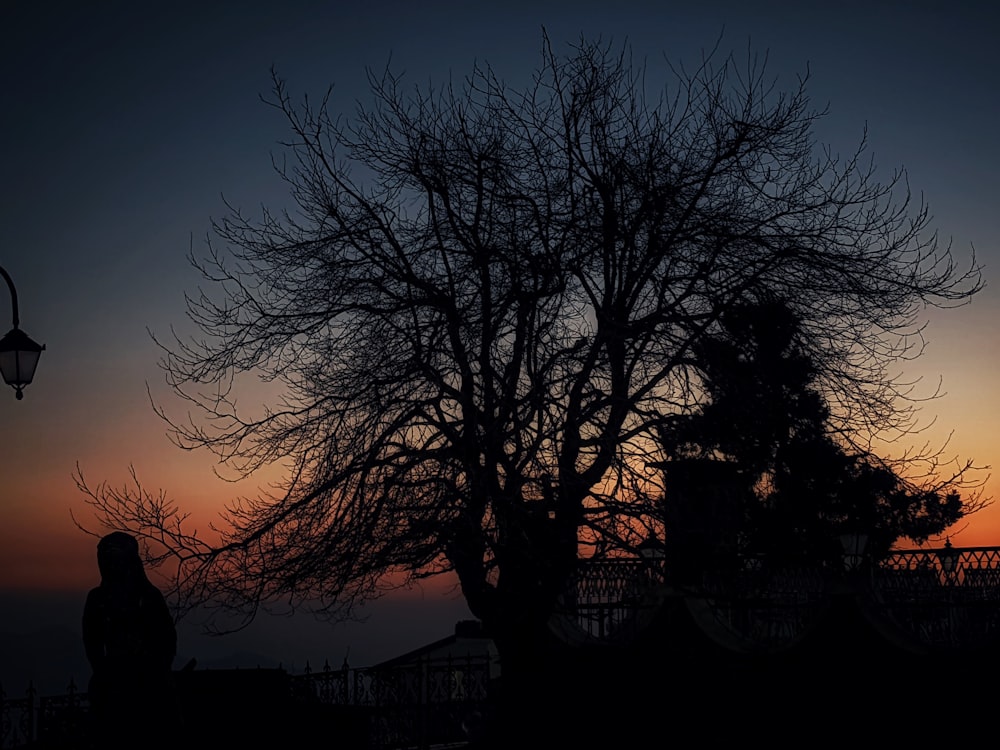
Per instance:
(125,124)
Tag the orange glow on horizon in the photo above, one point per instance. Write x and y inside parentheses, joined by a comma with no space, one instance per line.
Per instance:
(41,548)
(44,550)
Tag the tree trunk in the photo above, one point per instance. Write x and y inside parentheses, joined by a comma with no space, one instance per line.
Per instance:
(530,696)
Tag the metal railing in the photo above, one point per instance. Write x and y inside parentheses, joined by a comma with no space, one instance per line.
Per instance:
(968,567)
(43,720)
(431,701)
(421,704)
(946,597)
(607,599)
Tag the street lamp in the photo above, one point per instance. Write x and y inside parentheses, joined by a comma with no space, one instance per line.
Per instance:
(652,553)
(651,549)
(853,545)
(18,353)
(949,561)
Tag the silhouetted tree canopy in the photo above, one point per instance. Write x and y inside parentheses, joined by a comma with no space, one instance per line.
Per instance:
(489,300)
(801,484)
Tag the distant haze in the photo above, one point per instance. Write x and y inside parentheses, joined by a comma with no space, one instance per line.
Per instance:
(40,638)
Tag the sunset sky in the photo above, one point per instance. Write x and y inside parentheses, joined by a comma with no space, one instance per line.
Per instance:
(124,127)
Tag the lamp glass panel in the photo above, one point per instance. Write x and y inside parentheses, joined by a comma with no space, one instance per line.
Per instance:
(18,367)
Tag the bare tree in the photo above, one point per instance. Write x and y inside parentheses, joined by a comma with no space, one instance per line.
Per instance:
(484,306)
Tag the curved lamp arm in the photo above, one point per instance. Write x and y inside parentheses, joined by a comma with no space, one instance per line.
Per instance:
(18,353)
(13,294)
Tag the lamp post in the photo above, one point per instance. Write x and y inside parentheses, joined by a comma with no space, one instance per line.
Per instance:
(18,353)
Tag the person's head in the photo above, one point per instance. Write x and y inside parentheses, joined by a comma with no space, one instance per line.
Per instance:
(118,558)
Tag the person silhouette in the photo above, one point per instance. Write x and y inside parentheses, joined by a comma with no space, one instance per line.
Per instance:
(130,641)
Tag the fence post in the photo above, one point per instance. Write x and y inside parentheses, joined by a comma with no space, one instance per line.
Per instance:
(5,722)
(32,727)
(345,681)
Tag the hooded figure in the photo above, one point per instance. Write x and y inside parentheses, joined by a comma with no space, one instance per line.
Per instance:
(130,640)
